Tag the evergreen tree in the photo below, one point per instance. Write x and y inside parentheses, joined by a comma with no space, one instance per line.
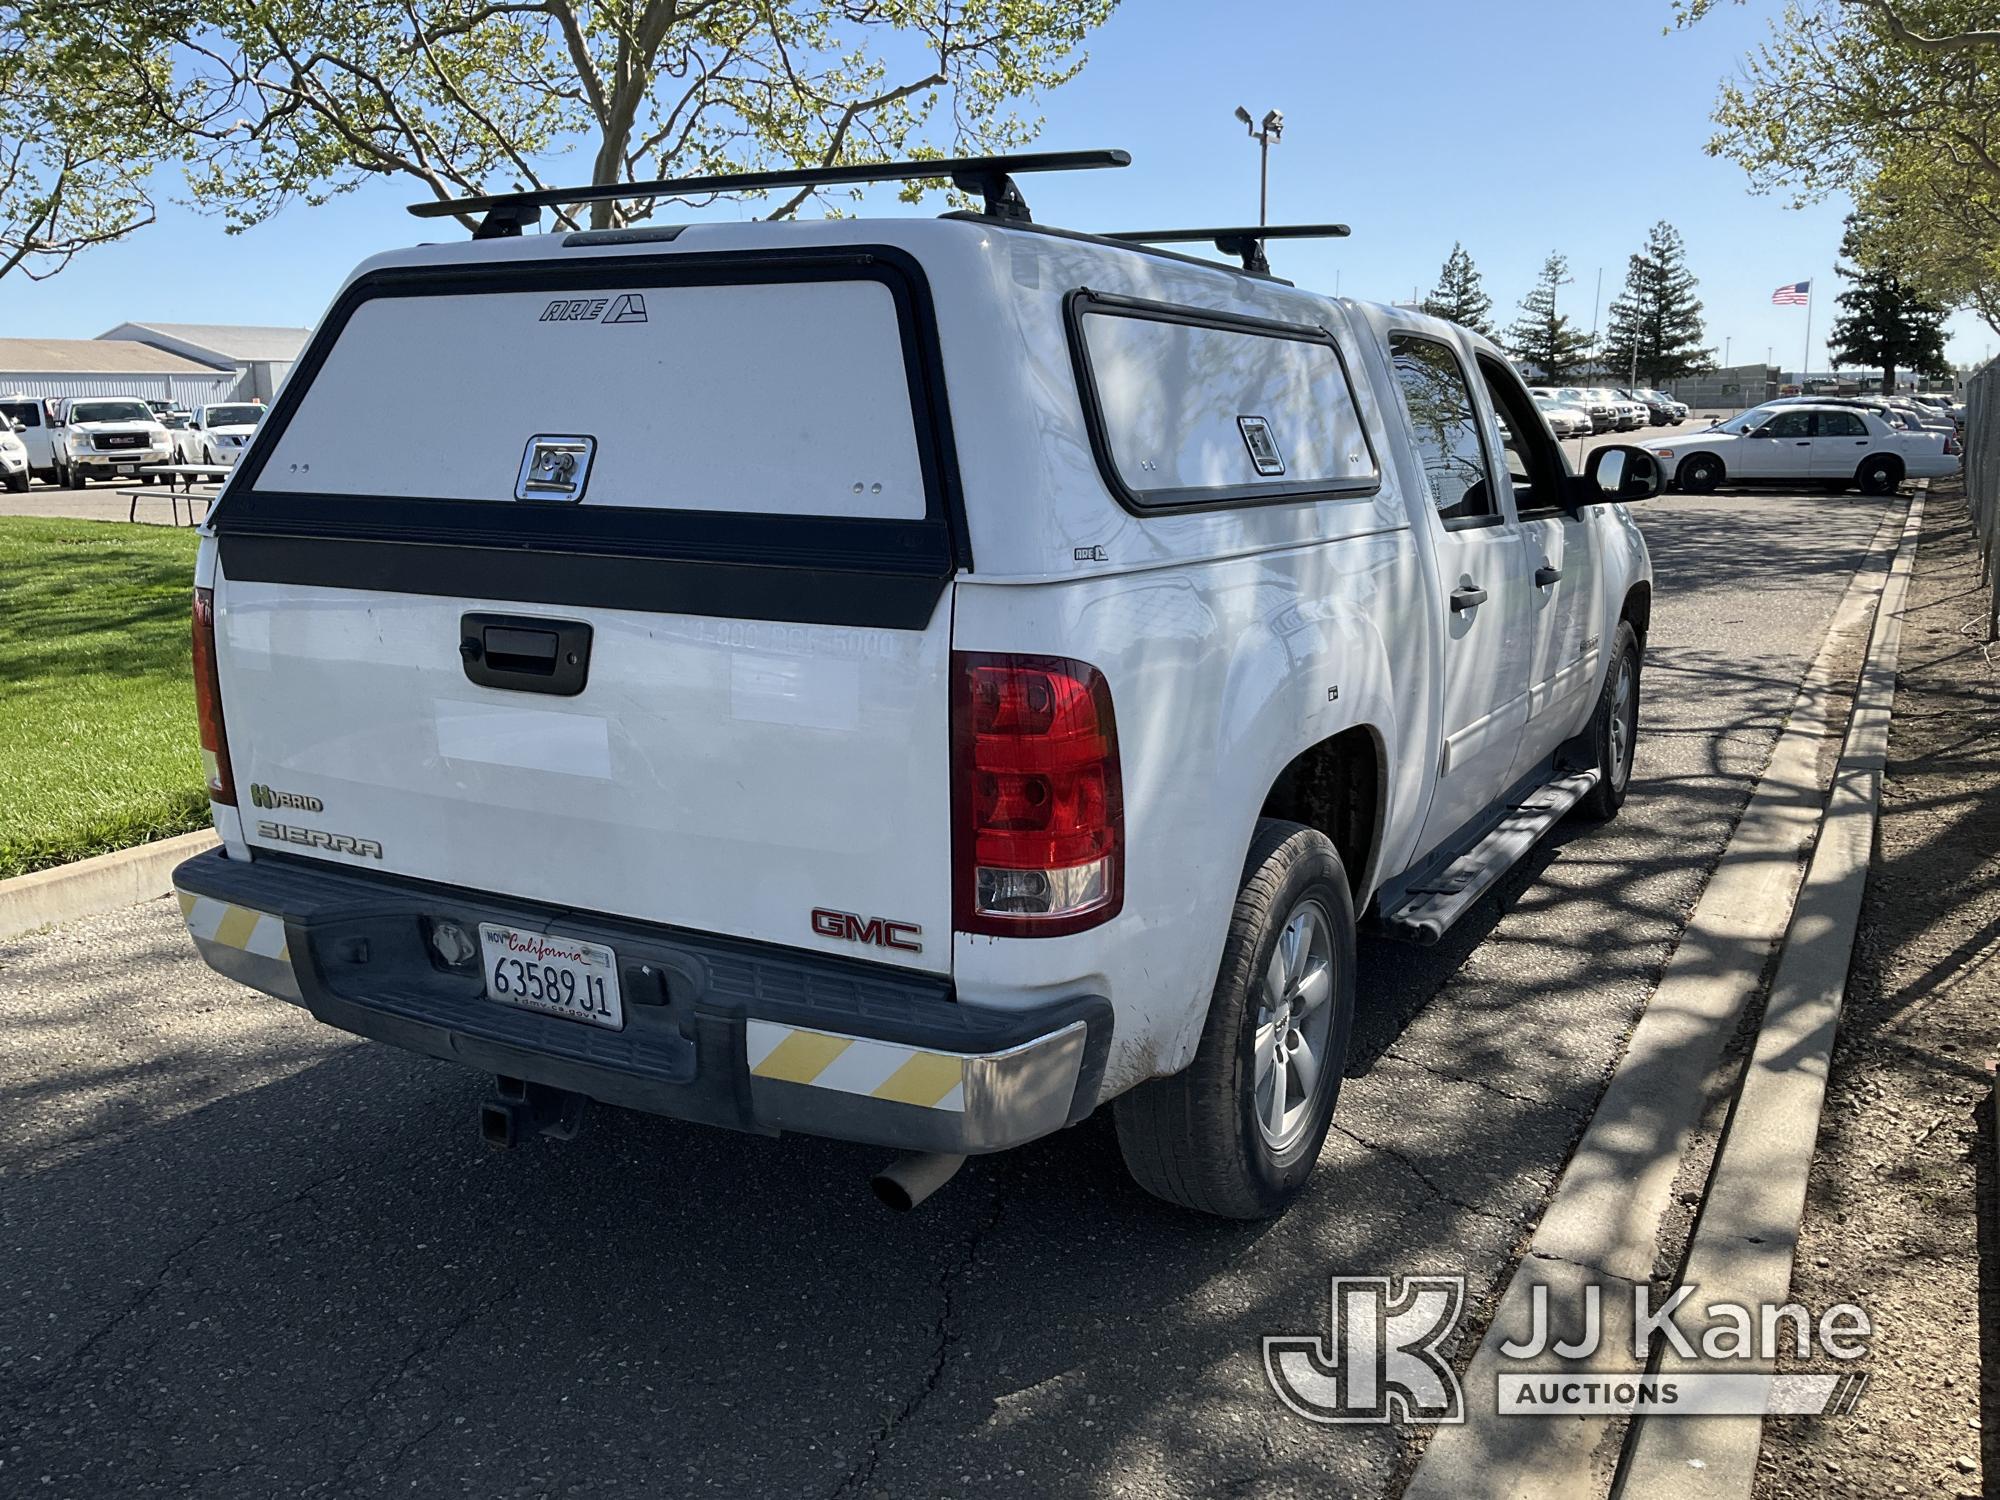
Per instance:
(1884,326)
(1542,337)
(1458,296)
(1655,323)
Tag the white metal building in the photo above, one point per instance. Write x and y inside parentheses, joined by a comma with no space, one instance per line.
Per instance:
(94,367)
(260,357)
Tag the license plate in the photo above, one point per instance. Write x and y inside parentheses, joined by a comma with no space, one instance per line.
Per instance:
(555,975)
(128,468)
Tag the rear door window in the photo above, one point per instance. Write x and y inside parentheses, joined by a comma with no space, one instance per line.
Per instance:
(1446,426)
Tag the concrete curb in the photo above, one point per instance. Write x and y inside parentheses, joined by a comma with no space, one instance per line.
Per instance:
(102,883)
(1604,1221)
(1749,1226)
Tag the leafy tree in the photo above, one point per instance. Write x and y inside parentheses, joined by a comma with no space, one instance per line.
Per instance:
(76,147)
(1894,102)
(1883,326)
(302,100)
(1458,296)
(1655,324)
(1941,239)
(1543,337)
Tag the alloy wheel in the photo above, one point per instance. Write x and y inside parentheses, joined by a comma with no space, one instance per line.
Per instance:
(1294,1022)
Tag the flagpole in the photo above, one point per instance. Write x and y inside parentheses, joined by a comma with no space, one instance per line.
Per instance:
(1805,369)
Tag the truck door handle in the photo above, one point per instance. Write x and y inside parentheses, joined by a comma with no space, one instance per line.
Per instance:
(1469,596)
(525,654)
(1547,574)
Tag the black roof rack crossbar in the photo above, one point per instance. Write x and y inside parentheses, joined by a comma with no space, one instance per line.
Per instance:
(992,177)
(1244,241)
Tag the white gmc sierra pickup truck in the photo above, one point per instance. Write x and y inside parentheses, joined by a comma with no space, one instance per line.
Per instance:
(912,681)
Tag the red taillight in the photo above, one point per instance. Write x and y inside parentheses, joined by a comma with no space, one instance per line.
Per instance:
(1039,848)
(208,702)
(1951,448)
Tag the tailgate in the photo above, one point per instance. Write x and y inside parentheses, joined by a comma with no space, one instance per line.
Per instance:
(620,585)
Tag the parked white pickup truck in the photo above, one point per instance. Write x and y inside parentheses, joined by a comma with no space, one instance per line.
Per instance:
(107,437)
(911,681)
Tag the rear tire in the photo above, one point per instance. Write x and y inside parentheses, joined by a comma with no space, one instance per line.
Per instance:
(1612,741)
(1700,474)
(1237,1132)
(1879,474)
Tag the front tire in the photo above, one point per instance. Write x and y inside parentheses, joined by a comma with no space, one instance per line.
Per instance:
(1612,741)
(1237,1132)
(18,483)
(1701,474)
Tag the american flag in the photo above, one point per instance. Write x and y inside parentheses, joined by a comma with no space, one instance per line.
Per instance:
(1792,294)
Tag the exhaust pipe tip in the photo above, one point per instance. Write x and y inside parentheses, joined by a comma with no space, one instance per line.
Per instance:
(909,1180)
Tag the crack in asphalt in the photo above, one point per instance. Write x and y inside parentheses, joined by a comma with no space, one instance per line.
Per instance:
(1492,1088)
(945,1332)
(159,1277)
(1425,1178)
(424,1348)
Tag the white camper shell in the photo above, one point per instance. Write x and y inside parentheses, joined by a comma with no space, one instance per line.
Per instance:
(906,680)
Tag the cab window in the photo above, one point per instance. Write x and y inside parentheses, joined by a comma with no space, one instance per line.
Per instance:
(1534,463)
(27,413)
(1446,425)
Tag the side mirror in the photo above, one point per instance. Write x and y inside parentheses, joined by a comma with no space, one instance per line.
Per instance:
(18,425)
(1620,472)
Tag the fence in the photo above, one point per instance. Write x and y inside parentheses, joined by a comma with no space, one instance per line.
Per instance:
(1982,475)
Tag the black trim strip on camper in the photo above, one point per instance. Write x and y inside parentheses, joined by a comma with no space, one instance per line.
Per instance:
(819,569)
(1084,301)
(734,591)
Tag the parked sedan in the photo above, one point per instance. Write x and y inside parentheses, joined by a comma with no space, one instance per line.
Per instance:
(1659,413)
(1564,421)
(1603,415)
(1825,443)
(1627,413)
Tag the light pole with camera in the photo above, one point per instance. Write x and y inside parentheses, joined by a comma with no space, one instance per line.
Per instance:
(1272,127)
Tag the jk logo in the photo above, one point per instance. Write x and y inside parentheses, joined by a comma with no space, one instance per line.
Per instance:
(1379,1360)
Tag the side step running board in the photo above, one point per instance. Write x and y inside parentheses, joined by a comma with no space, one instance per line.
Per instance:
(1428,908)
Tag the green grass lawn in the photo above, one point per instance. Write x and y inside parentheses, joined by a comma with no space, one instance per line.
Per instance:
(97,731)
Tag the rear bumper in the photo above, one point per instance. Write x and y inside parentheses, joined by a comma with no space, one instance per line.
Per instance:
(720,1031)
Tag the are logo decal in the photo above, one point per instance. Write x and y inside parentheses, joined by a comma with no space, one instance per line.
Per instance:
(626,307)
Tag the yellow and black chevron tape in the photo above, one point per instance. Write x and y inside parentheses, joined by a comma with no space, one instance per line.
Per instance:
(856,1065)
(234,926)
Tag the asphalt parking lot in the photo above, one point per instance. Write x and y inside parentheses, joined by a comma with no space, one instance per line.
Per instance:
(241,1254)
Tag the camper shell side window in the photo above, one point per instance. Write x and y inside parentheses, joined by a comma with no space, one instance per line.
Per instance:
(1192,409)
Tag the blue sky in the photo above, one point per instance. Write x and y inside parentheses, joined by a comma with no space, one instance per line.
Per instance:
(1518,128)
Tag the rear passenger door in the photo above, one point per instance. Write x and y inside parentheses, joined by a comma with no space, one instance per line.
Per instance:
(1565,625)
(1840,441)
(1482,564)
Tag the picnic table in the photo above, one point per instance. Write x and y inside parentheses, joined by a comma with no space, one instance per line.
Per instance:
(196,482)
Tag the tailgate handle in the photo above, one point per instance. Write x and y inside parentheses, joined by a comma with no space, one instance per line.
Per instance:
(525,654)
